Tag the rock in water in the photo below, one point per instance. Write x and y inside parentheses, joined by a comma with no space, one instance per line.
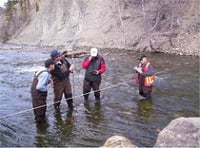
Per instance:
(118,142)
(181,132)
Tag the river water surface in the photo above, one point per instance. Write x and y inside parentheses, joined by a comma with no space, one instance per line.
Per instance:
(120,112)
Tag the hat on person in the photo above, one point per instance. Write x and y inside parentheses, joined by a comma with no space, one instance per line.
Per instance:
(48,62)
(93,52)
(141,57)
(55,53)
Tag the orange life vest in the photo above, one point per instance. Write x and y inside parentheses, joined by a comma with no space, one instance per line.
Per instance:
(148,80)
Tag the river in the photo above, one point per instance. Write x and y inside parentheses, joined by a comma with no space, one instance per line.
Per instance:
(120,112)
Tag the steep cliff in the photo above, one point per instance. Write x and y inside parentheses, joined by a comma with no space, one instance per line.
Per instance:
(145,25)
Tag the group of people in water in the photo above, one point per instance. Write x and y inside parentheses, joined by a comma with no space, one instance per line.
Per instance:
(58,69)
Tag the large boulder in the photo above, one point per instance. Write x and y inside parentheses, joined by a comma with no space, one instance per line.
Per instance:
(181,132)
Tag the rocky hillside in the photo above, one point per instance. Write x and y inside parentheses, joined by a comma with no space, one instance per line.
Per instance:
(142,25)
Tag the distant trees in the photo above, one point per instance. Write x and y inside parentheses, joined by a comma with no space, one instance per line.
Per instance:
(16,13)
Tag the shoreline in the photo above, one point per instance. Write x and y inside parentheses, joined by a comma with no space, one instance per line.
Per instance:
(13,46)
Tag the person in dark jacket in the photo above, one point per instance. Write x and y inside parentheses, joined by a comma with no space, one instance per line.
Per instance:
(145,77)
(39,90)
(95,66)
(61,81)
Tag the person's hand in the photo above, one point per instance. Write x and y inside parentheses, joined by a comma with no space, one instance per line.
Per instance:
(72,68)
(96,72)
(49,85)
(139,69)
(90,58)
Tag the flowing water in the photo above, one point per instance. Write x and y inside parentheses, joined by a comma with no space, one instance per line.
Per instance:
(120,112)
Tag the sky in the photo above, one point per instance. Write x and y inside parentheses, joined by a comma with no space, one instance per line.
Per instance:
(2,2)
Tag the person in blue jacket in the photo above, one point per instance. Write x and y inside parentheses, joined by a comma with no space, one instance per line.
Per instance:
(39,90)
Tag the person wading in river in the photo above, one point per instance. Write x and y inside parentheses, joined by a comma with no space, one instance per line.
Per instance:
(39,90)
(145,77)
(61,81)
(95,66)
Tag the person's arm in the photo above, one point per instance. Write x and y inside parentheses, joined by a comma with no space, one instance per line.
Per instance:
(68,65)
(66,62)
(102,67)
(86,63)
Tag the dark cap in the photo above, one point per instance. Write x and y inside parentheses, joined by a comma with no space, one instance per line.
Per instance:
(48,62)
(55,53)
(141,57)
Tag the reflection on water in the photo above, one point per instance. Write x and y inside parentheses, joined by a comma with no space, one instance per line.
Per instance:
(93,113)
(175,94)
(42,133)
(58,134)
(63,127)
(145,107)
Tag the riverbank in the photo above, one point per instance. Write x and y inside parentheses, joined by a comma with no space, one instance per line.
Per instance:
(170,26)
(12,46)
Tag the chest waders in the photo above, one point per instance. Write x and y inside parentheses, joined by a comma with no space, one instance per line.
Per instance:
(38,100)
(91,80)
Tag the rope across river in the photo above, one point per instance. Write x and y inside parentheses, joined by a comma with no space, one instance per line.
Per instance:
(27,110)
(105,88)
